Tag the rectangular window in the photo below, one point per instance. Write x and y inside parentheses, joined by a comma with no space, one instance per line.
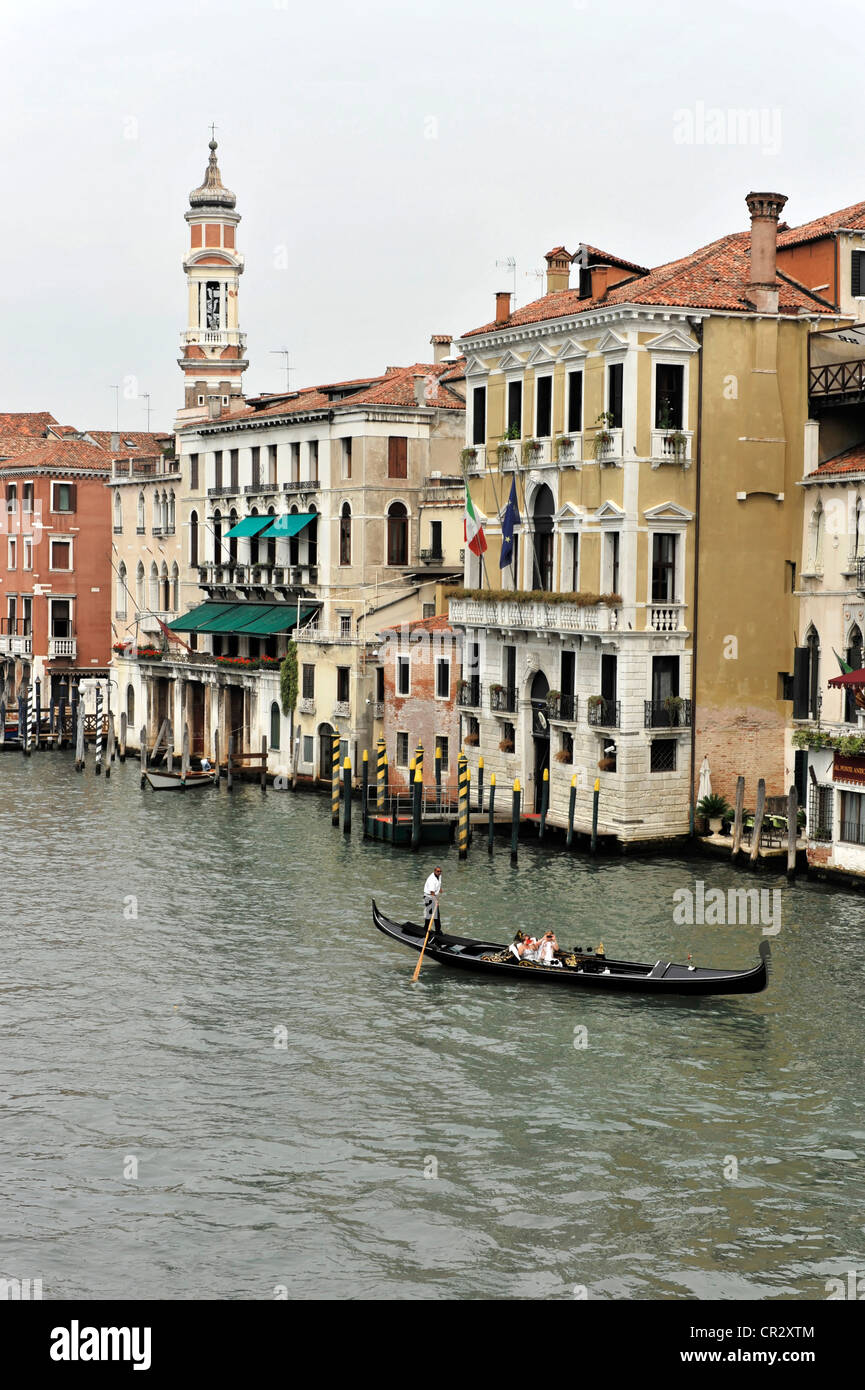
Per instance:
(313,460)
(403,676)
(612,540)
(28,553)
(575,402)
(857,279)
(428,610)
(663,755)
(669,396)
(343,684)
(379,683)
(479,415)
(820,801)
(217,469)
(572,561)
(615,378)
(402,749)
(853,818)
(444,750)
(235,469)
(193,472)
(346,458)
(256,465)
(27,498)
(295,462)
(515,409)
(12,499)
(61,617)
(435,533)
(308,747)
(663,568)
(63,497)
(397,458)
(308,681)
(12,558)
(544,408)
(443,679)
(345,624)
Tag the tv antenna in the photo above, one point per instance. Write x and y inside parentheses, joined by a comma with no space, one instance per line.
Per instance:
(145,395)
(287,367)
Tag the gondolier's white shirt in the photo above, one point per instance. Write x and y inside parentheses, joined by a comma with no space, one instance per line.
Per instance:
(433,886)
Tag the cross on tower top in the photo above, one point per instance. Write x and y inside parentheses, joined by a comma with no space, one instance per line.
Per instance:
(212,131)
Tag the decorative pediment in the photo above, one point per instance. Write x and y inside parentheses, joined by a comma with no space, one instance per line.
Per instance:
(541,357)
(511,363)
(608,511)
(475,367)
(573,352)
(668,511)
(612,342)
(569,517)
(672,341)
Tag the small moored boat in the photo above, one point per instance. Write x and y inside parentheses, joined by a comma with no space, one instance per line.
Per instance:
(586,971)
(161,780)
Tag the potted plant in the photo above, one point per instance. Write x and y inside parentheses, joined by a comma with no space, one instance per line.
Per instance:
(531,450)
(607,764)
(496,689)
(472,740)
(716,809)
(506,745)
(468,457)
(563,756)
(675,441)
(603,433)
(673,708)
(595,702)
(512,432)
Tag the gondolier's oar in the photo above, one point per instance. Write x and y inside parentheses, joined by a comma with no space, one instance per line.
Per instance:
(423,947)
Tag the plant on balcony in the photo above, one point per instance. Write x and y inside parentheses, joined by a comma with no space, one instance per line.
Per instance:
(595,702)
(673,708)
(531,449)
(562,446)
(603,434)
(241,663)
(472,740)
(848,744)
(269,663)
(288,679)
(468,457)
(504,452)
(676,444)
(512,432)
(496,689)
(563,756)
(553,695)
(148,654)
(580,600)
(506,745)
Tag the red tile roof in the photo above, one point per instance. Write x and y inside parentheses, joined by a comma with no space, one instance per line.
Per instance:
(438,623)
(71,454)
(605,256)
(395,386)
(850,461)
(32,423)
(131,442)
(714,277)
(851,219)
(14,444)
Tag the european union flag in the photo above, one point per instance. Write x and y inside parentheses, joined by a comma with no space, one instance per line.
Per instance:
(510,519)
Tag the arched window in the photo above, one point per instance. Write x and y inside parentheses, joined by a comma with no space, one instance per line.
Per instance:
(815,547)
(397,534)
(130,704)
(121,590)
(140,517)
(812,641)
(270,543)
(543,508)
(118,513)
(345,535)
(193,538)
(164,589)
(175,588)
(217,538)
(854,661)
(232,540)
(139,586)
(154,588)
(170,515)
(274,725)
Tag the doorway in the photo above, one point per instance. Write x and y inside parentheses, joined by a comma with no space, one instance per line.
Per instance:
(325,752)
(540,732)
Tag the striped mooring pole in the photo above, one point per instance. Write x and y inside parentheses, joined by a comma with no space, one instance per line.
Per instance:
(596,794)
(545,803)
(416,805)
(346,796)
(380,775)
(418,758)
(98,768)
(438,772)
(515,820)
(365,790)
(30,720)
(481,782)
(469,798)
(572,806)
(463,822)
(37,727)
(491,827)
(334,778)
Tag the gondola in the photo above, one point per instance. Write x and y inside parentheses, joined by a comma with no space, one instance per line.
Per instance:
(582,971)
(161,780)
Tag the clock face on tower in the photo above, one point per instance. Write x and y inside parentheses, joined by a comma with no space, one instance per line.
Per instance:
(211,304)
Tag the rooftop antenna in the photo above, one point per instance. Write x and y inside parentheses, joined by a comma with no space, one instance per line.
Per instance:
(537,274)
(116,390)
(146,397)
(509,263)
(287,367)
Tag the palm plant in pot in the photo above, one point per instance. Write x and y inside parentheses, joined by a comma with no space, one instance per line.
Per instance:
(716,809)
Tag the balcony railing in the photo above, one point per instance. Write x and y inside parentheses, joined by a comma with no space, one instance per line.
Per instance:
(837,379)
(341,709)
(21,646)
(534,616)
(672,713)
(860,573)
(377,709)
(672,446)
(665,617)
(214,337)
(431,554)
(563,707)
(224,491)
(469,694)
(62,647)
(604,714)
(306,705)
(502,699)
(610,451)
(256,488)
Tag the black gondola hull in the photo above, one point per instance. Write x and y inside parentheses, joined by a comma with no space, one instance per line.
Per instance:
(598,972)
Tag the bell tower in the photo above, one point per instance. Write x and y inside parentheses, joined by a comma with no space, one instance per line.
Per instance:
(212,346)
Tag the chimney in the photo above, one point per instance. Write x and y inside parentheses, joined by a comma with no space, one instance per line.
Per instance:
(765,209)
(441,346)
(558,269)
(421,386)
(503,306)
(115,441)
(214,407)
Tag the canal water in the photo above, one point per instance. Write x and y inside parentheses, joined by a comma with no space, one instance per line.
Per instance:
(218,1080)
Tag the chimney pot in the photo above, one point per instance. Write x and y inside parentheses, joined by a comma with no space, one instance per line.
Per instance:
(214,407)
(503,306)
(441,346)
(765,209)
(558,269)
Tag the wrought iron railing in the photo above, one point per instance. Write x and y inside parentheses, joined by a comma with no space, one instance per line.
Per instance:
(604,714)
(503,699)
(469,693)
(671,713)
(562,706)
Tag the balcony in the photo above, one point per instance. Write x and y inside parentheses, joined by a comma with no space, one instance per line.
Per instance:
(531,616)
(255,489)
(377,709)
(63,647)
(671,446)
(604,714)
(474,457)
(502,700)
(672,713)
(469,694)
(214,337)
(563,707)
(307,488)
(608,451)
(20,646)
(860,573)
(224,491)
(570,450)
(341,709)
(665,617)
(306,705)
(431,556)
(837,383)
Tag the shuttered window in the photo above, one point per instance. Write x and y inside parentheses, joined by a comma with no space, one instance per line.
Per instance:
(575,402)
(544,413)
(479,415)
(857,280)
(615,375)
(397,457)
(256,466)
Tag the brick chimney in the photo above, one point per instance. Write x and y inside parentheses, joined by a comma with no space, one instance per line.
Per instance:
(214,407)
(765,209)
(503,306)
(558,269)
(441,346)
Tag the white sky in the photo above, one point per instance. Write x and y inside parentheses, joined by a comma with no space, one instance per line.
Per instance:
(386,155)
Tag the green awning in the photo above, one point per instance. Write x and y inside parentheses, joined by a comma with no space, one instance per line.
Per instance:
(249,526)
(290,525)
(238,617)
(282,618)
(193,620)
(257,619)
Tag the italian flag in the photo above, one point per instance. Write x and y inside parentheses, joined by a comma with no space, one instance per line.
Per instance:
(472,528)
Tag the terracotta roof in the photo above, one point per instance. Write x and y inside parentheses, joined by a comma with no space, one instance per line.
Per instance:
(397,388)
(608,259)
(32,423)
(850,461)
(13,444)
(62,453)
(438,623)
(440,338)
(394,387)
(852,218)
(131,442)
(714,277)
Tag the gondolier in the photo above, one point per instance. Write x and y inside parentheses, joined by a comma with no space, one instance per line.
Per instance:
(431,895)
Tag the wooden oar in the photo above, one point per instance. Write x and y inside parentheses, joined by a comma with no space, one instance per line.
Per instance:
(423,947)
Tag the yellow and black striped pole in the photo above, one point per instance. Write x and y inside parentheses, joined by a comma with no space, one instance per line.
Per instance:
(365,791)
(481,782)
(334,778)
(438,770)
(418,758)
(346,796)
(416,806)
(469,794)
(596,796)
(380,775)
(545,803)
(463,822)
(492,822)
(515,820)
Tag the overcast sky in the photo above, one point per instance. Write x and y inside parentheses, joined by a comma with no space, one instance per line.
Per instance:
(384,157)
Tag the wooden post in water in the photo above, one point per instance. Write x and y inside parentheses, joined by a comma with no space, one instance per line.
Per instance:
(596,796)
(572,806)
(61,723)
(758,821)
(184,757)
(98,764)
(481,782)
(416,805)
(469,784)
(792,830)
(109,753)
(38,724)
(418,758)
(216,768)
(263,780)
(169,746)
(295,756)
(438,775)
(380,774)
(737,821)
(463,821)
(79,739)
(334,778)
(142,751)
(365,790)
(229,780)
(491,829)
(346,796)
(515,821)
(27,739)
(2,721)
(545,803)
(124,729)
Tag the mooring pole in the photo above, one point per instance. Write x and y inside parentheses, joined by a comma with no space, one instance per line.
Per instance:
(792,830)
(27,741)
(365,789)
(515,820)
(737,821)
(184,757)
(169,745)
(216,755)
(61,726)
(572,806)
(438,773)
(380,775)
(98,767)
(545,803)
(463,822)
(38,729)
(229,779)
(469,800)
(481,782)
(109,753)
(418,758)
(79,740)
(124,729)
(417,795)
(2,721)
(596,796)
(263,780)
(143,755)
(346,796)
(758,820)
(334,777)
(491,827)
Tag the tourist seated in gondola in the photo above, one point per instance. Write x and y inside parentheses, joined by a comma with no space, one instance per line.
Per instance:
(524,947)
(547,948)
